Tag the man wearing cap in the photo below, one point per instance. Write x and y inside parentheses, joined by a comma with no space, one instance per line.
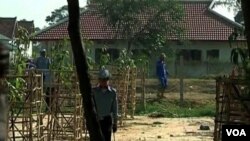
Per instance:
(42,63)
(105,98)
(162,74)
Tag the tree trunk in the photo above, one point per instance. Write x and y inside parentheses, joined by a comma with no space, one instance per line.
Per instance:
(3,110)
(4,66)
(82,71)
(245,10)
(143,89)
(129,46)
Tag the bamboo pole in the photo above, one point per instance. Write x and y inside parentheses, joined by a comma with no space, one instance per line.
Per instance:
(61,124)
(133,91)
(181,82)
(230,105)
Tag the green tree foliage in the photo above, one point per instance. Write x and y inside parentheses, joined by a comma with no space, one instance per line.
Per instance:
(58,14)
(22,44)
(88,46)
(104,58)
(124,61)
(60,57)
(22,39)
(237,52)
(18,65)
(144,22)
(243,7)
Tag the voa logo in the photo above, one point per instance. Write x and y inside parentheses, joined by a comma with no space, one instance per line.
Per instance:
(236,132)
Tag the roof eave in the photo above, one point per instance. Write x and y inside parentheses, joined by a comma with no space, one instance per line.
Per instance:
(4,38)
(14,29)
(49,27)
(54,25)
(41,40)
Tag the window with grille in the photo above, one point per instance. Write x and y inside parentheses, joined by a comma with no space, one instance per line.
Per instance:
(213,54)
(190,55)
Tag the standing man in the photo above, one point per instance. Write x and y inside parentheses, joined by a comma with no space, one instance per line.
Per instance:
(105,98)
(42,63)
(162,74)
(4,66)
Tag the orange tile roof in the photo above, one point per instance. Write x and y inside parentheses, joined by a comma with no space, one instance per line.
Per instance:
(199,22)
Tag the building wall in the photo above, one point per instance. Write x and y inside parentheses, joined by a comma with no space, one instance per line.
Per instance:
(204,67)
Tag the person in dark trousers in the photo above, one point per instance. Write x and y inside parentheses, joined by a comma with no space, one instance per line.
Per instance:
(42,64)
(105,98)
(162,74)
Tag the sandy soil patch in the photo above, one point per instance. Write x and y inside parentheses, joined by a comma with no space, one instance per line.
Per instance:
(165,129)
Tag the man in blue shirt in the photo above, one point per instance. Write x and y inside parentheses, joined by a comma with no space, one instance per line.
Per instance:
(42,64)
(105,98)
(162,74)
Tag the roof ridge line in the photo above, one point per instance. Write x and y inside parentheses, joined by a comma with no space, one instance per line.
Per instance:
(14,29)
(50,26)
(54,25)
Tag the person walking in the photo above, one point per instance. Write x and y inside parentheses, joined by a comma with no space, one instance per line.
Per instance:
(105,99)
(162,74)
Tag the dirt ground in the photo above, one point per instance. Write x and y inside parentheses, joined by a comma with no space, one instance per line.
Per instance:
(143,128)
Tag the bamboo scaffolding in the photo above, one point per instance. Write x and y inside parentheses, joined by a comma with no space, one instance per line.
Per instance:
(25,115)
(64,117)
(30,121)
(131,100)
(232,104)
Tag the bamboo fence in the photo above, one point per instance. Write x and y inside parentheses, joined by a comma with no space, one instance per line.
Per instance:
(232,104)
(31,118)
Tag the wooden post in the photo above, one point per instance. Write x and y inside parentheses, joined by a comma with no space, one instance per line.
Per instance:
(133,91)
(217,115)
(181,81)
(143,89)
